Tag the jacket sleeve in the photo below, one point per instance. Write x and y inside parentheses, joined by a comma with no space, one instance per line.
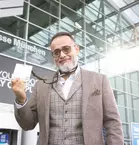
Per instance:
(111,117)
(26,116)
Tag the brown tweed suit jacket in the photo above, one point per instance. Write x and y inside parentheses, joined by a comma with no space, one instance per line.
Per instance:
(99,110)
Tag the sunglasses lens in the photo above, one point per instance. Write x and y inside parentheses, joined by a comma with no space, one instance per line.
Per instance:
(56,52)
(66,49)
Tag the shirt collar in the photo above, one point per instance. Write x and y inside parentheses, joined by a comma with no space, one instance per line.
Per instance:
(72,76)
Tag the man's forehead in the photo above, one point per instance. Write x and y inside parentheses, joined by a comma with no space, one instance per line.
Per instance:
(62,41)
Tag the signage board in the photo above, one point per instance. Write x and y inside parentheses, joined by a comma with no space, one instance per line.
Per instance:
(11,7)
(135,133)
(4,139)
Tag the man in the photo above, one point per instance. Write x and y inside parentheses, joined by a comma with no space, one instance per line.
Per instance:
(74,108)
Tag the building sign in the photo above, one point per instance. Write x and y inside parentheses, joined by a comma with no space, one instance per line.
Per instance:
(11,7)
(7,66)
(4,139)
(19,43)
(135,133)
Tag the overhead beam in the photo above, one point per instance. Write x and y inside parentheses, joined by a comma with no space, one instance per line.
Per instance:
(54,3)
(89,29)
(111,35)
(115,12)
(123,30)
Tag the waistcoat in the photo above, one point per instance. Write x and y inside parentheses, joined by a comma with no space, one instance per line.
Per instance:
(66,115)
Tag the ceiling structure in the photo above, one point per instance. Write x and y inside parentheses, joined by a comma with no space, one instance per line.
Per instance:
(97,26)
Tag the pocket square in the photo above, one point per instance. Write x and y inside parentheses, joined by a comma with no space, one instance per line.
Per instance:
(96,92)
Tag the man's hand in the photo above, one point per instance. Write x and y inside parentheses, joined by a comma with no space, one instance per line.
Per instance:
(18,87)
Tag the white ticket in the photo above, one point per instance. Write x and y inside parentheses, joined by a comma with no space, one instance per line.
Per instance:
(22,71)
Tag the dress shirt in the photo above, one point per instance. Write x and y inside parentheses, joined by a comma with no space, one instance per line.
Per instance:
(66,84)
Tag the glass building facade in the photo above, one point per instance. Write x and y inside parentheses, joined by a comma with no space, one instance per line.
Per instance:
(106,31)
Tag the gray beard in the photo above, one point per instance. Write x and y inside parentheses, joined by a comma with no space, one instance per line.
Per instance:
(67,67)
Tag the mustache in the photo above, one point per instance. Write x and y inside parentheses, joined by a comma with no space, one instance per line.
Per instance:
(65,58)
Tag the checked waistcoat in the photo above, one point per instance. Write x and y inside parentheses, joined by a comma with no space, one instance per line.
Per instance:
(66,115)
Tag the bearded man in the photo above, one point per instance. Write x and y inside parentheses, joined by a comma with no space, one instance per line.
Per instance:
(74,107)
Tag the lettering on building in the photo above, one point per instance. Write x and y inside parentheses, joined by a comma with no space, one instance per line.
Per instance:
(22,44)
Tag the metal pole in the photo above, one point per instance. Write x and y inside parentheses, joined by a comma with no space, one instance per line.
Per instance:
(84,32)
(26,30)
(59,16)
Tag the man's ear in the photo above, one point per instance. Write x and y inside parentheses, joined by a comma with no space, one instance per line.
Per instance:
(77,48)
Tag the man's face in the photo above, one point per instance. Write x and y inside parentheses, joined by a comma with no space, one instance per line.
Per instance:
(67,59)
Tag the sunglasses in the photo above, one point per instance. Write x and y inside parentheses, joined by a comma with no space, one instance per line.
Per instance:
(55,79)
(65,49)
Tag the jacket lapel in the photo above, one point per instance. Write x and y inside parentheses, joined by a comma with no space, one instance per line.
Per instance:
(88,88)
(76,85)
(58,88)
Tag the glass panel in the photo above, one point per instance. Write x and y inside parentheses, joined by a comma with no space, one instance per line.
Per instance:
(135,88)
(39,36)
(119,83)
(13,26)
(44,19)
(136,115)
(123,114)
(120,98)
(128,86)
(72,6)
(125,129)
(131,116)
(44,8)
(130,101)
(112,82)
(134,76)
(136,103)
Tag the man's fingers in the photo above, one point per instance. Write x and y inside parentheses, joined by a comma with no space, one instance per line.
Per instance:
(17,81)
(14,81)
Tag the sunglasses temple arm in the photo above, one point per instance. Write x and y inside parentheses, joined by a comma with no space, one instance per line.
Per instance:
(44,80)
(34,74)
